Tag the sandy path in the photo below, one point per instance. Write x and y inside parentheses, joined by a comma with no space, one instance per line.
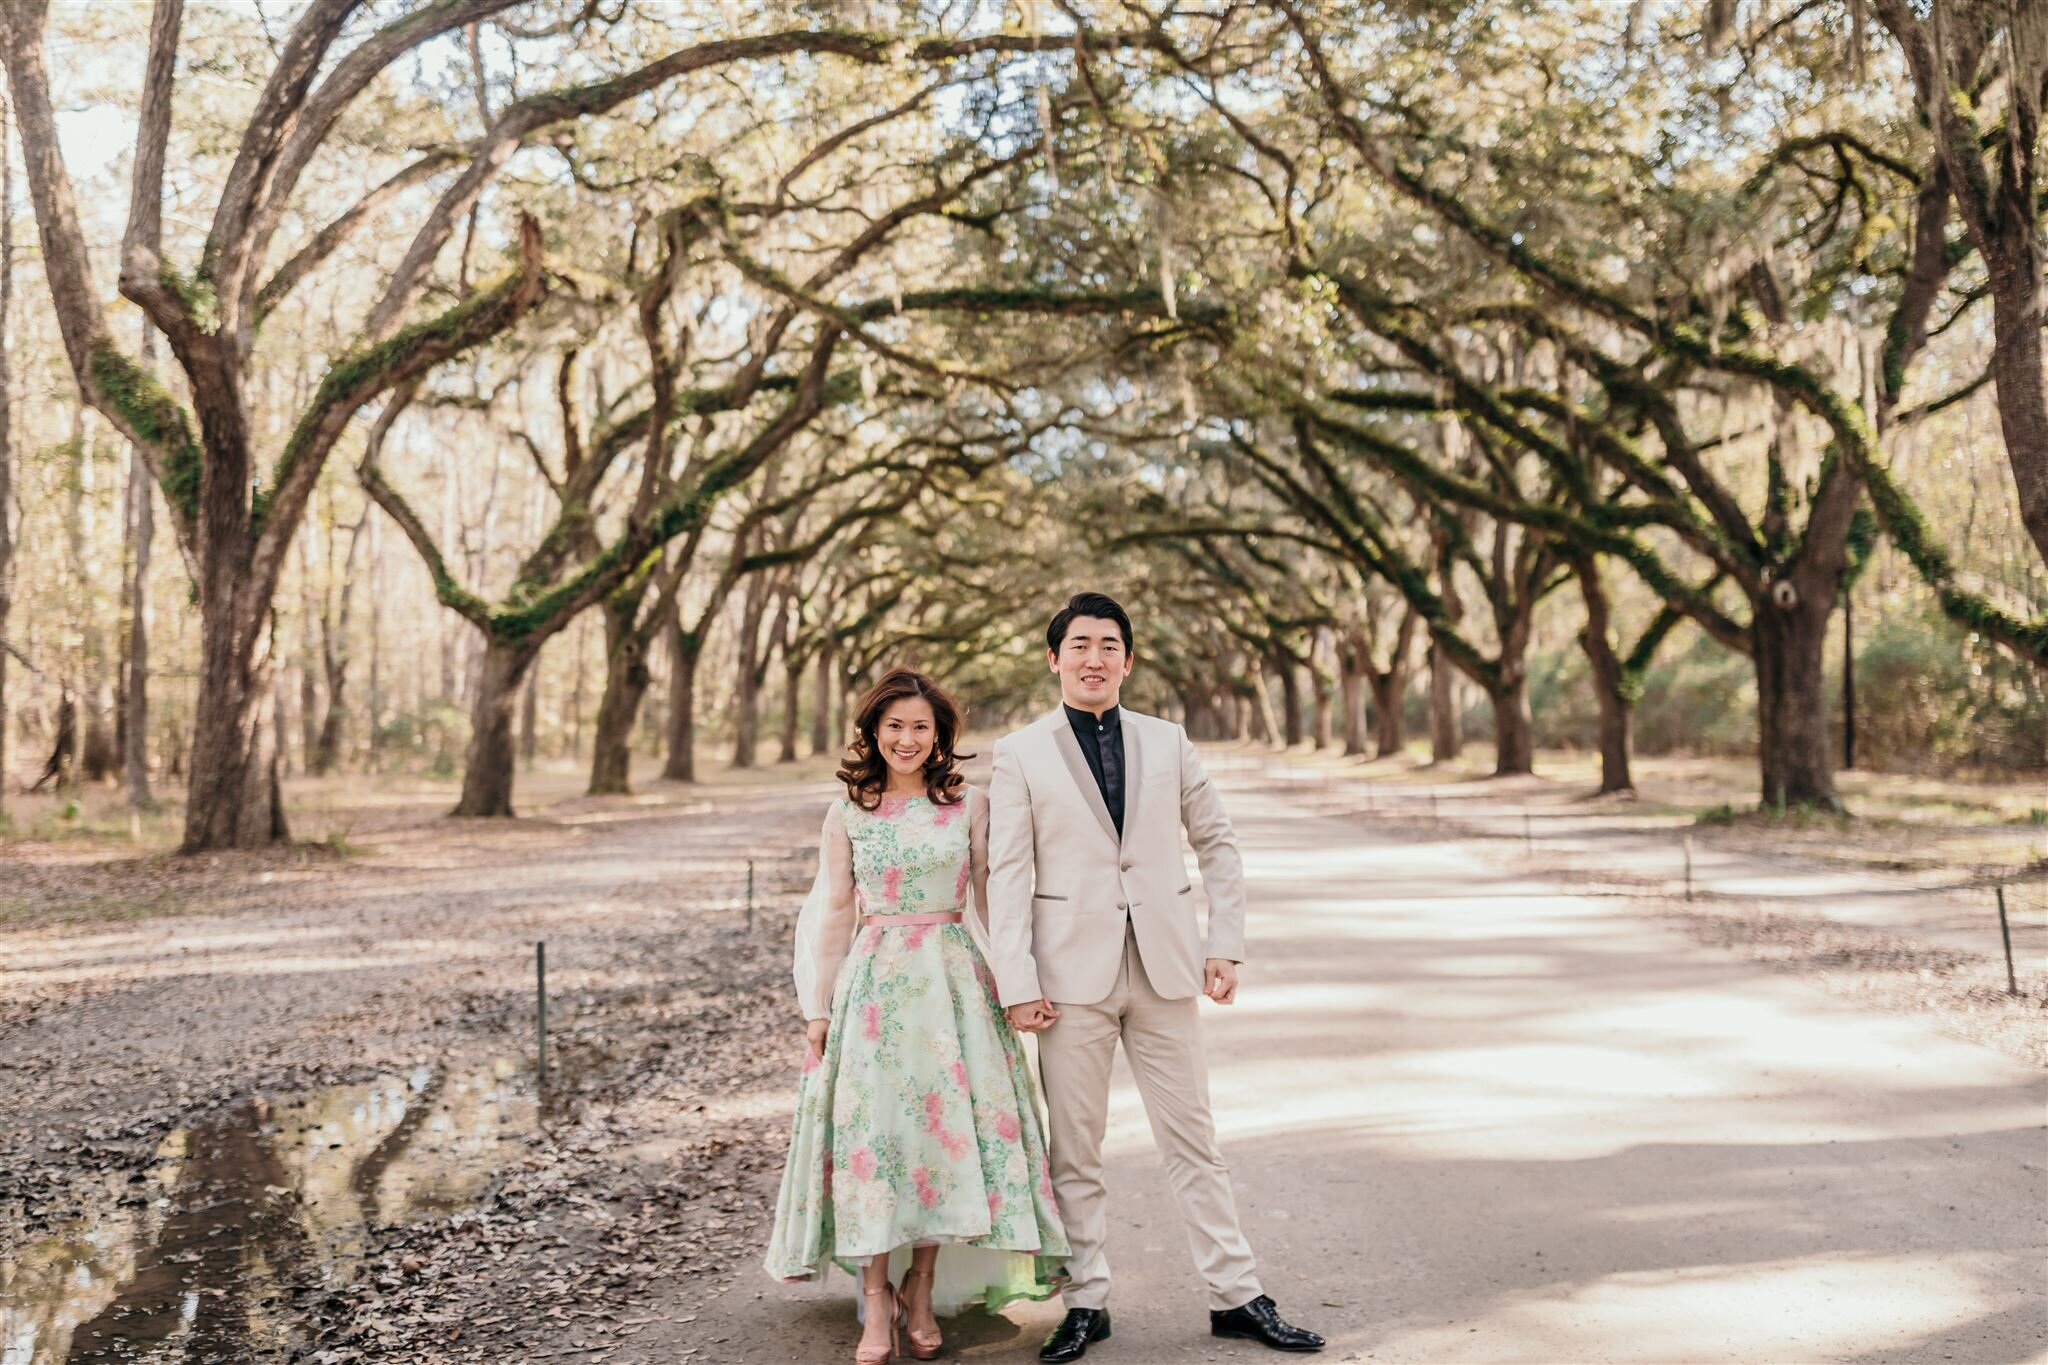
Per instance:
(1471,1118)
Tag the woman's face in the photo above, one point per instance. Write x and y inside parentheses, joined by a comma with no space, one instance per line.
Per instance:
(905,734)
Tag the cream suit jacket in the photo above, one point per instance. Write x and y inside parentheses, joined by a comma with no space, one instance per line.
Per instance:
(1061,882)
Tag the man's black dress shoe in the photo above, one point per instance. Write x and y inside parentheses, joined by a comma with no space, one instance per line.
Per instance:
(1259,1321)
(1069,1340)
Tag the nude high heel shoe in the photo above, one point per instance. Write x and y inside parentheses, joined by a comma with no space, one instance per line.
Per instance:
(922,1347)
(866,1355)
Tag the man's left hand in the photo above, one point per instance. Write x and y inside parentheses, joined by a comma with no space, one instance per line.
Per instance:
(1219,980)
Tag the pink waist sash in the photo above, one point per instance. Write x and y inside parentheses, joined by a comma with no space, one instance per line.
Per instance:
(911,921)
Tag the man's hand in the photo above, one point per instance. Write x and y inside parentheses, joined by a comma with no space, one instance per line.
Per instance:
(1219,980)
(1033,1016)
(814,1036)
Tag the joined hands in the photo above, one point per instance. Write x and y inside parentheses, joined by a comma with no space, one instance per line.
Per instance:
(1033,1016)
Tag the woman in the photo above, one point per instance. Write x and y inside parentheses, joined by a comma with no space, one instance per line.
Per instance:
(916,1123)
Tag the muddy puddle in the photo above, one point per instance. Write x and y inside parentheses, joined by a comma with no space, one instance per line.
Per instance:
(197,1259)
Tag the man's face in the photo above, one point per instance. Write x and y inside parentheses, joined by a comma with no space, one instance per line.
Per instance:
(1092,664)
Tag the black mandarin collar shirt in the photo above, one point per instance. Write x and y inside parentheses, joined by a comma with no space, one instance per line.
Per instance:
(1102,744)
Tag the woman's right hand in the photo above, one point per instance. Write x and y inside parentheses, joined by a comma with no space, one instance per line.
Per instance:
(814,1037)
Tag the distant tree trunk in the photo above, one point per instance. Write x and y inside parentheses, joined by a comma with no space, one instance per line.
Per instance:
(1445,737)
(1610,681)
(263,805)
(1265,724)
(576,692)
(1354,668)
(625,683)
(792,693)
(95,755)
(141,538)
(1389,726)
(376,697)
(685,649)
(792,671)
(60,765)
(6,416)
(746,703)
(1319,658)
(488,773)
(1513,726)
(1290,700)
(821,715)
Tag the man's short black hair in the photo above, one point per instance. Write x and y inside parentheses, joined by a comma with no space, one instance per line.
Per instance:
(1101,606)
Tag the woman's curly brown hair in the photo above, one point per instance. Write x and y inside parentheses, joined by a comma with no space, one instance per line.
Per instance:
(866,772)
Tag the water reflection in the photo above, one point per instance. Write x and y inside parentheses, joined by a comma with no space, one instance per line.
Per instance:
(195,1259)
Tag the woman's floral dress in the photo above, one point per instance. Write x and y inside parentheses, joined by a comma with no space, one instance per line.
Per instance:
(919,1125)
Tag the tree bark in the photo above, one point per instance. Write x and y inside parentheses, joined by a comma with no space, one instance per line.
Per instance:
(488,772)
(529,719)
(1610,682)
(325,755)
(142,537)
(1513,727)
(6,415)
(1389,726)
(746,702)
(821,714)
(1790,639)
(1290,700)
(685,649)
(1324,730)
(1353,666)
(626,677)
(2020,369)
(1446,739)
(792,693)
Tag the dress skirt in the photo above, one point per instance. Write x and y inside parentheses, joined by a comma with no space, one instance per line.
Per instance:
(920,1126)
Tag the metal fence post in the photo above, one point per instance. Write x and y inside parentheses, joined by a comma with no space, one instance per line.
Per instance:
(2012,985)
(540,994)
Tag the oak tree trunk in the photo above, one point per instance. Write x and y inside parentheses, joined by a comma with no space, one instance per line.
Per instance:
(792,691)
(488,771)
(1290,701)
(1610,683)
(1790,640)
(2019,366)
(626,677)
(1389,727)
(1445,737)
(141,536)
(1352,685)
(529,720)
(1513,727)
(821,715)
(685,649)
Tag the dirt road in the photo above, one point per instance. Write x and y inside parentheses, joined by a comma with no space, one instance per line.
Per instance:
(1471,1117)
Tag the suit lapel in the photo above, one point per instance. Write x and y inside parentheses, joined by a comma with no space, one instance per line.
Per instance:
(1077,767)
(1134,774)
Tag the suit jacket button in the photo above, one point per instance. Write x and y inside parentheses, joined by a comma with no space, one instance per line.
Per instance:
(1129,866)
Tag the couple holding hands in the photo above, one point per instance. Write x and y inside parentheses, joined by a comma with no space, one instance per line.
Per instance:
(944,923)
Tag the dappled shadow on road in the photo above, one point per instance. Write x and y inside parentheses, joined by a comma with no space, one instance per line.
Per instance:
(1871,1250)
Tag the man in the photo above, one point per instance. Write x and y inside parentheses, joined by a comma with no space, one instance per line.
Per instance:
(1095,939)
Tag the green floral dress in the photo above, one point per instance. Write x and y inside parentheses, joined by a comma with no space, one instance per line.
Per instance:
(920,1124)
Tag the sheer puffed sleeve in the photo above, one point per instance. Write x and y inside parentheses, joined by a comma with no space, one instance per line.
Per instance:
(824,927)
